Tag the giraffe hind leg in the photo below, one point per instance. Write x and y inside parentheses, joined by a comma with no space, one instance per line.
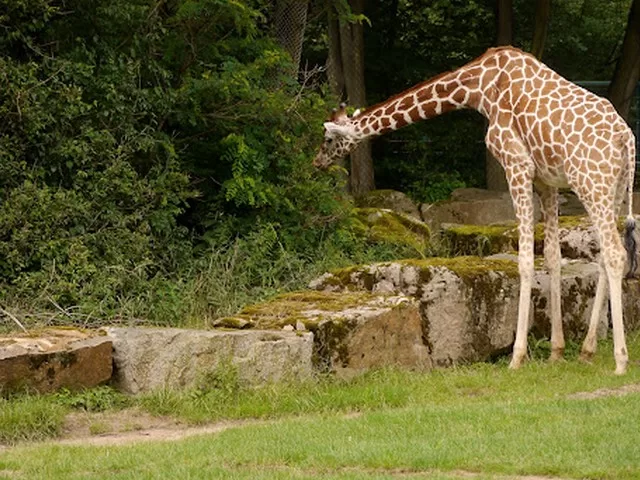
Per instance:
(614,259)
(591,340)
(552,258)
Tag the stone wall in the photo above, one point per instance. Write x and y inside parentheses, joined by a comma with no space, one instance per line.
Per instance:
(151,358)
(469,304)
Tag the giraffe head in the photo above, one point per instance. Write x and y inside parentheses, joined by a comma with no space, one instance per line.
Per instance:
(340,138)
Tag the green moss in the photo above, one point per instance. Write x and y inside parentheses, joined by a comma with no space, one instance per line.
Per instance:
(234,323)
(573,221)
(289,308)
(488,240)
(467,267)
(480,239)
(342,277)
(382,225)
(330,331)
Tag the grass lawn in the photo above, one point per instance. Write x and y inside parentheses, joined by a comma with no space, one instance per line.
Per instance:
(482,422)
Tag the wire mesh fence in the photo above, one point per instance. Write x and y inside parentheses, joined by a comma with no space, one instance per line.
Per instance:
(290,21)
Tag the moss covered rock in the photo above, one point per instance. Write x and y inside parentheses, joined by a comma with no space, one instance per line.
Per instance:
(384,225)
(469,305)
(480,240)
(352,331)
(577,238)
(391,200)
(488,210)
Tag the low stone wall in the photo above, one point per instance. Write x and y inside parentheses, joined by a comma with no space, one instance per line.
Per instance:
(416,314)
(150,358)
(352,332)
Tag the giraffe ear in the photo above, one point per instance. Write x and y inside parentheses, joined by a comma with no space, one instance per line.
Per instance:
(336,129)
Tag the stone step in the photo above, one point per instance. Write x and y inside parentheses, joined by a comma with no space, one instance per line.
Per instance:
(53,359)
(352,331)
(147,359)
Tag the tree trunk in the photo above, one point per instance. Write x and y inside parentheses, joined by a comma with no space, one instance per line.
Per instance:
(627,72)
(352,53)
(504,17)
(334,62)
(543,12)
(495,176)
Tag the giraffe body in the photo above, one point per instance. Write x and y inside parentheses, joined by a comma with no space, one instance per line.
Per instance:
(547,133)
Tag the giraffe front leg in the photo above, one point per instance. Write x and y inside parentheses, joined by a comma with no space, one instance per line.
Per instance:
(552,260)
(520,180)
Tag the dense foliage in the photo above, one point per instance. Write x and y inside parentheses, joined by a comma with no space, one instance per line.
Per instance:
(138,139)
(155,154)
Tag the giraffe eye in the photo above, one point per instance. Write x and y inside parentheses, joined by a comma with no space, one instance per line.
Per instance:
(329,140)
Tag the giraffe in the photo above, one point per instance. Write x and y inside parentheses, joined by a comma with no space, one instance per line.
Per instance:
(547,133)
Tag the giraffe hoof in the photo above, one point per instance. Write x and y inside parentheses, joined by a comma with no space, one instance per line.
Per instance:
(517,358)
(557,355)
(515,364)
(621,369)
(586,356)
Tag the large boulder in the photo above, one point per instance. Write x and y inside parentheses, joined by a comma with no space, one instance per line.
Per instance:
(390,200)
(578,239)
(472,206)
(469,305)
(52,359)
(151,358)
(384,225)
(352,331)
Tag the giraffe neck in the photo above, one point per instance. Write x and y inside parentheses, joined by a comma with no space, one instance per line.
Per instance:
(447,92)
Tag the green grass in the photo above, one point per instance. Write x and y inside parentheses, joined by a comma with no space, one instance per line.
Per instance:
(29,418)
(386,424)
(569,438)
(221,397)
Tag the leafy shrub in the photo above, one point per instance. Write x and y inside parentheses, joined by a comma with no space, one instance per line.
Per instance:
(96,399)
(155,163)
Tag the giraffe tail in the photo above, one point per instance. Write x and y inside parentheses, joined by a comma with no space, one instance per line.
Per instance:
(629,147)
(630,245)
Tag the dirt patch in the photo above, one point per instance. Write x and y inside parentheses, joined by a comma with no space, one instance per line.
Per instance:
(132,426)
(606,392)
(462,474)
(407,473)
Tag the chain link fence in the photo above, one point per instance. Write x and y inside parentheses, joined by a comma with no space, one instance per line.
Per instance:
(290,21)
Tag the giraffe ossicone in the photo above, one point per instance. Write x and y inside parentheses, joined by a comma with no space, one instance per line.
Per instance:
(547,133)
